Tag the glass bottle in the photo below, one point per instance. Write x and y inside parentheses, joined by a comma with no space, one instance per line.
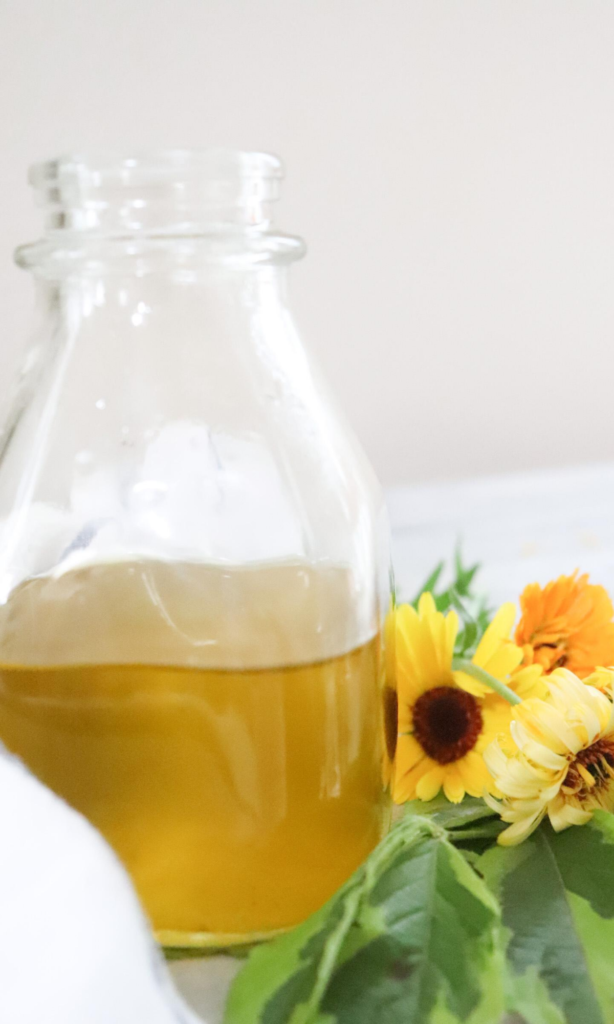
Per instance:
(193,551)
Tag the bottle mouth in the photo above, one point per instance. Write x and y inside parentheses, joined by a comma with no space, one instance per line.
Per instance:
(171,192)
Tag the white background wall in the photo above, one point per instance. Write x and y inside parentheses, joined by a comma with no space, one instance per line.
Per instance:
(450,162)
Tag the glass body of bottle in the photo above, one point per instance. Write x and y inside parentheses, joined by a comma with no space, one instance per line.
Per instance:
(193,552)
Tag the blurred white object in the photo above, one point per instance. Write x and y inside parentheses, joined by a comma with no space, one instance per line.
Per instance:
(74,945)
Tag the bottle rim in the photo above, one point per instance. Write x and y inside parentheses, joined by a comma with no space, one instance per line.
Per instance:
(94,169)
(167,190)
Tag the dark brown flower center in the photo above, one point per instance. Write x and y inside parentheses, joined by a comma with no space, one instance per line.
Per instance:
(391,720)
(447,723)
(598,761)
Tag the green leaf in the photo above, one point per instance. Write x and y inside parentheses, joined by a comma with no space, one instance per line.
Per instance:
(489,1010)
(443,601)
(430,582)
(468,637)
(452,816)
(473,612)
(464,576)
(585,858)
(471,824)
(528,999)
(533,883)
(439,939)
(598,939)
(279,978)
(410,936)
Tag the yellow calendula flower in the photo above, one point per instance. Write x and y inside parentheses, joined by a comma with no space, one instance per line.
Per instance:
(445,717)
(557,760)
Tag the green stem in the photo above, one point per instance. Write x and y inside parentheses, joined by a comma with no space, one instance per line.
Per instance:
(489,831)
(468,667)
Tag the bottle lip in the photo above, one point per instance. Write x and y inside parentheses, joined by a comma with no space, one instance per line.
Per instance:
(164,192)
(95,169)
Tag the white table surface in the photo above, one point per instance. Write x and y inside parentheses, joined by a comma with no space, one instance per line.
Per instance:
(522,528)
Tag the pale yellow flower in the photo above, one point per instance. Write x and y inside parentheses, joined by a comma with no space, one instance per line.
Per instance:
(602,679)
(446,718)
(557,759)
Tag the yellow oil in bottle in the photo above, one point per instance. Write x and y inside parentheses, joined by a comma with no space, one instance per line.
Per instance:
(236,772)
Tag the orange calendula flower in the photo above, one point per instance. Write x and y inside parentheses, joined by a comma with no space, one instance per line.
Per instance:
(566,624)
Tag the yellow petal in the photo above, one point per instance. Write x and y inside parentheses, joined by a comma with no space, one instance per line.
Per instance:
(538,752)
(430,784)
(521,829)
(410,765)
(496,761)
(496,717)
(410,683)
(562,815)
(425,644)
(490,801)
(409,753)
(474,774)
(426,605)
(586,775)
(471,685)
(498,630)
(418,665)
(529,682)
(547,725)
(453,785)
(602,679)
(504,661)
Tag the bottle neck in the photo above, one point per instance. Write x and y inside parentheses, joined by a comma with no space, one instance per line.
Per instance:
(71,254)
(183,301)
(176,192)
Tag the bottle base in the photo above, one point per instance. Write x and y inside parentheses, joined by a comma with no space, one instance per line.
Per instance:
(188,944)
